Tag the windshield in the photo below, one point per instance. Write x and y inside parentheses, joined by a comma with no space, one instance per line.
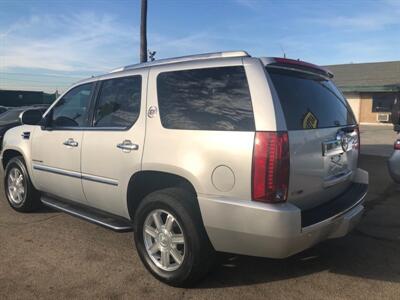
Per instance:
(310,101)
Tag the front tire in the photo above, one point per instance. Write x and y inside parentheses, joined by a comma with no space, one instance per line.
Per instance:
(171,239)
(20,193)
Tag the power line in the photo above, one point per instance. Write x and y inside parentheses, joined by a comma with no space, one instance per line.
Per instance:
(34,84)
(32,80)
(47,75)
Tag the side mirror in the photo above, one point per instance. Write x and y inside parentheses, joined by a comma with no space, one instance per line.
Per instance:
(30,117)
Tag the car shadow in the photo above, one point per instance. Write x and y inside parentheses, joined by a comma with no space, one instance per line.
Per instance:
(357,255)
(43,209)
(382,150)
(371,251)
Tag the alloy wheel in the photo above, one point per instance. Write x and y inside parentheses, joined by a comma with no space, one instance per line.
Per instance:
(164,240)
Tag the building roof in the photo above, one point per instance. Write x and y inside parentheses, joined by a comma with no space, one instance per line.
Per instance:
(367,77)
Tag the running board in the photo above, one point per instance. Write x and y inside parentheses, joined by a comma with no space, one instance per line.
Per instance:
(92,215)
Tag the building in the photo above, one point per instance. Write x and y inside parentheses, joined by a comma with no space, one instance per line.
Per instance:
(370,88)
(22,98)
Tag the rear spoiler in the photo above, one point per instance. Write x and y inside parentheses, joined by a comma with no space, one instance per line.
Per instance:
(295,64)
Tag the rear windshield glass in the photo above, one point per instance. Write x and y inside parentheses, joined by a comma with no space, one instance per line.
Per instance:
(310,101)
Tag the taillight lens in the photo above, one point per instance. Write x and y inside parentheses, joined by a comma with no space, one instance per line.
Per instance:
(397,145)
(271,163)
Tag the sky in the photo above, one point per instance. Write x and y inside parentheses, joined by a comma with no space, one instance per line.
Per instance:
(48,45)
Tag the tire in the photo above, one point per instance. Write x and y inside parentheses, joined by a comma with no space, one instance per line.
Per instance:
(196,253)
(17,177)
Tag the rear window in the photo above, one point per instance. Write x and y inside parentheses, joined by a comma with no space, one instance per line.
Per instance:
(205,99)
(310,101)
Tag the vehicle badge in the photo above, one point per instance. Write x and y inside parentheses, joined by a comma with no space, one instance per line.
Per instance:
(152,112)
(310,121)
(343,139)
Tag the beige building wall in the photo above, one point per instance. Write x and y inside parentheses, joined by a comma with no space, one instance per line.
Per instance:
(366,114)
(361,104)
(354,101)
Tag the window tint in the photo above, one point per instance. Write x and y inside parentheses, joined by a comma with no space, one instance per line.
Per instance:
(310,101)
(118,102)
(72,109)
(383,102)
(205,99)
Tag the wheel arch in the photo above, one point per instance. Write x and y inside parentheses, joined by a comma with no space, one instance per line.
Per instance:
(145,182)
(9,154)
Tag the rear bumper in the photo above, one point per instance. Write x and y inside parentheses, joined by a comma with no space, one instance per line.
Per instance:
(275,230)
(394,166)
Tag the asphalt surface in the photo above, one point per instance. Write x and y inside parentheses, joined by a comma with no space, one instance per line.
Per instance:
(48,255)
(377,140)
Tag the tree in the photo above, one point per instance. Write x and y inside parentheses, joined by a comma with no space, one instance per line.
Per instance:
(143,32)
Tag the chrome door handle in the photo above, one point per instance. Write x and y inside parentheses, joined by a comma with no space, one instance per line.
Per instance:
(127,145)
(70,142)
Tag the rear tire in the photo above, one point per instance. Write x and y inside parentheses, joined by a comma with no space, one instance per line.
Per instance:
(20,193)
(191,257)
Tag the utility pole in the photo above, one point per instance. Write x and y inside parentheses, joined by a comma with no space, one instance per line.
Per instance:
(143,32)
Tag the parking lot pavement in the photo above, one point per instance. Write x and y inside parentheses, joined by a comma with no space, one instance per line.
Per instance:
(377,139)
(48,255)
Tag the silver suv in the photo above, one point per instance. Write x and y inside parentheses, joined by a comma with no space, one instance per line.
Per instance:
(214,152)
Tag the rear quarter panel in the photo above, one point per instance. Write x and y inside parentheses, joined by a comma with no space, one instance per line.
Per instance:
(195,154)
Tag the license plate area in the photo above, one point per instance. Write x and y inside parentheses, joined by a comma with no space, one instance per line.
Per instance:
(336,164)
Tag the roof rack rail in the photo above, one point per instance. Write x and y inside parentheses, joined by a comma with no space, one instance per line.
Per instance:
(183,59)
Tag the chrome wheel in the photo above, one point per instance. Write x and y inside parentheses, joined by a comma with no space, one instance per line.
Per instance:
(164,240)
(16,188)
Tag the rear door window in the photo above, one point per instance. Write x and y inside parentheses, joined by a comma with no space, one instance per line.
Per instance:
(205,99)
(118,103)
(310,101)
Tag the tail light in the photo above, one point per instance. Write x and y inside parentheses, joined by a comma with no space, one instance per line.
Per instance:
(397,145)
(271,163)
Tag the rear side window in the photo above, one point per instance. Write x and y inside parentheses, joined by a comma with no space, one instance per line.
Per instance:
(205,99)
(118,103)
(310,101)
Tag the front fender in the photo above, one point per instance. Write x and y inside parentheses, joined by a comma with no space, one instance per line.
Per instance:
(14,140)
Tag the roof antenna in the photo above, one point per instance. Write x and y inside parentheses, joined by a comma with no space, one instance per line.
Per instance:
(283,51)
(152,55)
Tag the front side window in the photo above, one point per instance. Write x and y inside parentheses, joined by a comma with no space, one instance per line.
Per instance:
(205,99)
(118,102)
(72,109)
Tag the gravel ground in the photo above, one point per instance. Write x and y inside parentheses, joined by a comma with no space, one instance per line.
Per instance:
(48,255)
